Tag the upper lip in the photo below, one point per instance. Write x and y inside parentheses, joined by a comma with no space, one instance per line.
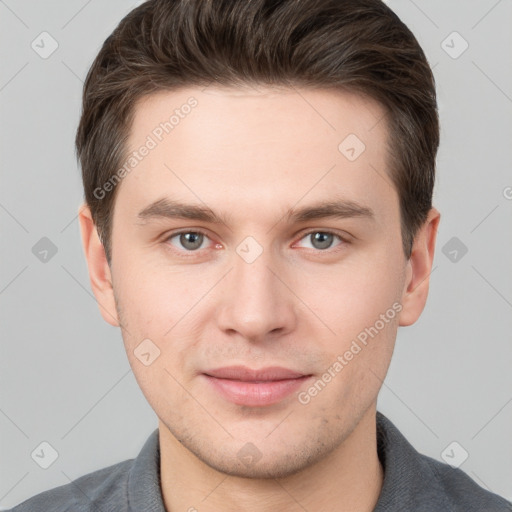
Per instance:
(243,373)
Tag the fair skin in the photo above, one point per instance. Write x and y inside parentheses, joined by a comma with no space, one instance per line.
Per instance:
(251,156)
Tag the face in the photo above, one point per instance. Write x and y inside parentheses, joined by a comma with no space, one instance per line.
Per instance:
(257,232)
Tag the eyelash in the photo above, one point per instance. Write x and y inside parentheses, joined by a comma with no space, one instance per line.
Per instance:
(343,240)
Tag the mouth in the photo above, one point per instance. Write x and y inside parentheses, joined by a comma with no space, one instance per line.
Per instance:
(255,388)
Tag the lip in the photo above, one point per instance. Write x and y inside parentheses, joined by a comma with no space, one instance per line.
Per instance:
(244,386)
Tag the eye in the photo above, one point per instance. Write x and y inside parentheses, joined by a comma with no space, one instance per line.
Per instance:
(322,240)
(193,241)
(189,240)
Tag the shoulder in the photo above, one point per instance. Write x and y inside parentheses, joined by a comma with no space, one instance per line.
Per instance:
(414,481)
(463,493)
(85,494)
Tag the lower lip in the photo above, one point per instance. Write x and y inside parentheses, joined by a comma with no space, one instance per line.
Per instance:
(255,394)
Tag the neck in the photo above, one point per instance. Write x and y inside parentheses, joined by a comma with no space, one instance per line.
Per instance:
(349,479)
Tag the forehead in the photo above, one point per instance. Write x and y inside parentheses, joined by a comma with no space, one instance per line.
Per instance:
(229,115)
(243,147)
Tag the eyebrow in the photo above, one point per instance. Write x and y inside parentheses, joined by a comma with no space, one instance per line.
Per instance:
(172,209)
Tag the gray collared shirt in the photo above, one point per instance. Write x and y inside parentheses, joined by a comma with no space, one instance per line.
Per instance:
(412,483)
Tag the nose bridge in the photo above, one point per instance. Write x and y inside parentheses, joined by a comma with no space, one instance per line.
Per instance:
(256,302)
(252,275)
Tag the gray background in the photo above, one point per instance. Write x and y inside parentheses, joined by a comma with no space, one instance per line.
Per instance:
(65,378)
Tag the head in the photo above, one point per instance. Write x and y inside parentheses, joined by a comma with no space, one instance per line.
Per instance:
(296,143)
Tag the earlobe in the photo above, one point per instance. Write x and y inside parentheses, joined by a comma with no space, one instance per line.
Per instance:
(99,271)
(419,268)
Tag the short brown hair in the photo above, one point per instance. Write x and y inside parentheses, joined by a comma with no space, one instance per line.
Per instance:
(356,45)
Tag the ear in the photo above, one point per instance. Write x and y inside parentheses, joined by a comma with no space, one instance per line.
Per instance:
(99,270)
(418,270)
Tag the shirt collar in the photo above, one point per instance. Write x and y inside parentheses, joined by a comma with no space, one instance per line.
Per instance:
(144,491)
(408,478)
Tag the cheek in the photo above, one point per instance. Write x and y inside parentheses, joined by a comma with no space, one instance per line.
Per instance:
(350,296)
(150,298)
(161,305)
(356,362)
(359,302)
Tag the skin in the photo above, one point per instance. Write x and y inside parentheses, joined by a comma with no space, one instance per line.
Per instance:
(252,155)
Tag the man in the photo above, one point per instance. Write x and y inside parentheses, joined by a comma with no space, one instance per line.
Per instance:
(258,221)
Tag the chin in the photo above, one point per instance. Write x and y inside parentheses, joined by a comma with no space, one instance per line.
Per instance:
(261,462)
(280,467)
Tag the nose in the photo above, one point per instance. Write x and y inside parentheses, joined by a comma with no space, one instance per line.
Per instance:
(257,300)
